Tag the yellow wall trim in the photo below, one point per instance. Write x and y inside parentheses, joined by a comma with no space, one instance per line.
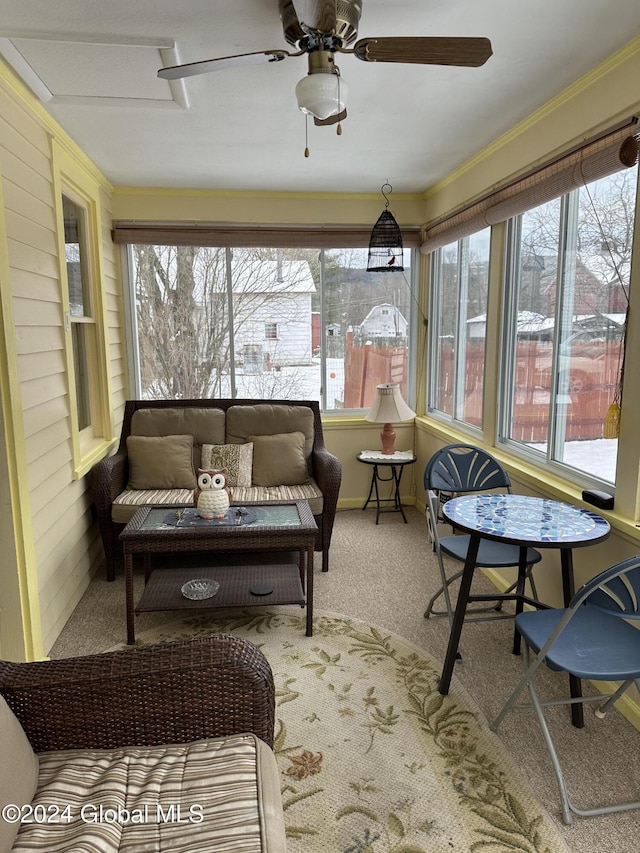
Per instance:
(175,191)
(30,646)
(544,481)
(582,84)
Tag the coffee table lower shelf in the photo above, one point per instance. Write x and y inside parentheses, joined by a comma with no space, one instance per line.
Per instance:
(163,589)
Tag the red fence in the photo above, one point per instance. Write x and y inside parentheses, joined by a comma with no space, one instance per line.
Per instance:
(590,382)
(368,366)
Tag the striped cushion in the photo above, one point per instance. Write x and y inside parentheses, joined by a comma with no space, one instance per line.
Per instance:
(216,795)
(263,494)
(127,502)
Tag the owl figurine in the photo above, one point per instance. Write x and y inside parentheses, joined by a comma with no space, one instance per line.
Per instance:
(212,495)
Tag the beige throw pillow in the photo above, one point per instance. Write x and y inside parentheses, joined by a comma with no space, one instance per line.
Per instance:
(279,460)
(18,771)
(236,459)
(161,462)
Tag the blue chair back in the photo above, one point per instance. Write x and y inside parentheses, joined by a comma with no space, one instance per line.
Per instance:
(464,468)
(615,590)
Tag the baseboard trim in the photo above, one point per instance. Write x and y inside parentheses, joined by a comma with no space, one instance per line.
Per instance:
(358,503)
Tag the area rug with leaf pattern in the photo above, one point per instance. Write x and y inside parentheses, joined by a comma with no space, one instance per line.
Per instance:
(372,758)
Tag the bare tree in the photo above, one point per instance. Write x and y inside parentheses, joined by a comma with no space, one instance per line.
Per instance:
(603,247)
(184,333)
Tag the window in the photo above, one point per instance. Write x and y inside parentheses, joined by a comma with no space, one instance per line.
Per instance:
(458,327)
(82,324)
(86,354)
(205,323)
(568,272)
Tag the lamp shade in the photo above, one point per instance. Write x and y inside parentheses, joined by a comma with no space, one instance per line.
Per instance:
(321,94)
(389,407)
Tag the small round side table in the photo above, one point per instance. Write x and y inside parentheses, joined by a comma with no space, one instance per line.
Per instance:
(396,463)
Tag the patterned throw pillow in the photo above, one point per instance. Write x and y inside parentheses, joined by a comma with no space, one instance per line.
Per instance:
(236,459)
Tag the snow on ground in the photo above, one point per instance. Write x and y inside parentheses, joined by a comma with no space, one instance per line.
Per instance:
(596,457)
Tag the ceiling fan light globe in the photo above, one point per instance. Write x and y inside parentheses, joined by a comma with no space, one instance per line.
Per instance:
(321,94)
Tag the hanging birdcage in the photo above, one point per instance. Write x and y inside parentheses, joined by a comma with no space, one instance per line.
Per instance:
(385,243)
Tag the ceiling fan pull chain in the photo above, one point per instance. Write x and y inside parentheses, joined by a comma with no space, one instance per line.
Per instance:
(306,135)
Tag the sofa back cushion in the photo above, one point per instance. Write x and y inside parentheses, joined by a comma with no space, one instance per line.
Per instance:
(18,771)
(161,462)
(269,419)
(206,425)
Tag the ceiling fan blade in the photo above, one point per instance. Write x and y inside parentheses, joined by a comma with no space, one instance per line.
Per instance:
(316,14)
(433,50)
(323,122)
(191,69)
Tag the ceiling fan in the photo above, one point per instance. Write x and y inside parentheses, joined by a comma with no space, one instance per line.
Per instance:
(322,28)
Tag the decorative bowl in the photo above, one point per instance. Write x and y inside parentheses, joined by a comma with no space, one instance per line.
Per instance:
(200,588)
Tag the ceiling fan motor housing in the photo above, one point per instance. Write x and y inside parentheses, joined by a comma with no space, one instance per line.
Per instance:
(347,19)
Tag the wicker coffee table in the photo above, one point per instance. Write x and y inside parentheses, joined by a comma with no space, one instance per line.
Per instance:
(277,527)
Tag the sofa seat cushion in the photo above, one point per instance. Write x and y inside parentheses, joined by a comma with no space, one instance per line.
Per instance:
(125,505)
(214,795)
(266,494)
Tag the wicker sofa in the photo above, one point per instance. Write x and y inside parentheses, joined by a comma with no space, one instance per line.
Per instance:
(227,426)
(163,747)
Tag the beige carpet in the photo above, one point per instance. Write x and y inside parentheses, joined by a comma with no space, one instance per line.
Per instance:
(383,575)
(371,756)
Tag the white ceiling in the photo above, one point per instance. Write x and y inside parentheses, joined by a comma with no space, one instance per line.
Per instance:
(94,62)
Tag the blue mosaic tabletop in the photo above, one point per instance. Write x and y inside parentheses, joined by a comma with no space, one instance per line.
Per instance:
(525,520)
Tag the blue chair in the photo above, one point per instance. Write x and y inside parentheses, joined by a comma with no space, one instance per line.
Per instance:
(588,639)
(454,470)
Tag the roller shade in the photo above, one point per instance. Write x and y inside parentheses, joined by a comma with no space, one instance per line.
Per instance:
(176,234)
(592,161)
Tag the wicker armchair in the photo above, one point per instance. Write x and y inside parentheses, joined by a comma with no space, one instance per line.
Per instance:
(149,735)
(177,692)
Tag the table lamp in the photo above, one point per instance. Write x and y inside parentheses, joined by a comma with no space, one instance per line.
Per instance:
(388,408)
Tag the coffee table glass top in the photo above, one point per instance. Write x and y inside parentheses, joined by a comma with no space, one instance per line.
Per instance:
(524,518)
(284,515)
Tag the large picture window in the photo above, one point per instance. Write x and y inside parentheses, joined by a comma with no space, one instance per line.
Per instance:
(274,323)
(566,293)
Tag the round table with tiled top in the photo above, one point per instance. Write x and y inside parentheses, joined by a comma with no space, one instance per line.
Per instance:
(525,521)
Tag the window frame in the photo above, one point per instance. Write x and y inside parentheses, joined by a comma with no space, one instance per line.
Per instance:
(271,331)
(456,417)
(568,238)
(91,443)
(127,241)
